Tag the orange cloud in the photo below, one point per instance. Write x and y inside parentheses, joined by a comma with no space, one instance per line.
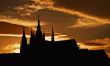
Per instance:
(97,45)
(29,9)
(58,36)
(84,22)
(88,18)
(19,21)
(15,48)
(13,35)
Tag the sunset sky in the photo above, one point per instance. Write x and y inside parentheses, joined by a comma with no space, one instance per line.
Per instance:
(87,21)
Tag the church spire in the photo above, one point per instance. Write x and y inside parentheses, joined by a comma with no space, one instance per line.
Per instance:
(38,20)
(52,37)
(23,46)
(38,32)
(23,31)
(38,26)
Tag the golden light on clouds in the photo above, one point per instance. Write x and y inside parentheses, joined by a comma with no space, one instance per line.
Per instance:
(42,4)
(16,51)
(92,45)
(84,22)
(67,11)
(29,9)
(14,35)
(83,46)
(58,37)
(15,48)
(89,20)
(45,2)
(102,43)
(19,21)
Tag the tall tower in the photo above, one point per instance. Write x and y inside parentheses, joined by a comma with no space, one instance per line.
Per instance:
(38,32)
(23,47)
(52,37)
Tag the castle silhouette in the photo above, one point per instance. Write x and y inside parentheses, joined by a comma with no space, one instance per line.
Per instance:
(41,51)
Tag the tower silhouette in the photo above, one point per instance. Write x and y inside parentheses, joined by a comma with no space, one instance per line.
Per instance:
(36,40)
(23,47)
(52,37)
(39,32)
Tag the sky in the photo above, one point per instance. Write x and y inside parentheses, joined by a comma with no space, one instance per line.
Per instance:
(87,21)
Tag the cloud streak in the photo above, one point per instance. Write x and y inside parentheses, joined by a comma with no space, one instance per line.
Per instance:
(92,20)
(25,14)
(58,37)
(97,45)
(26,8)
(14,35)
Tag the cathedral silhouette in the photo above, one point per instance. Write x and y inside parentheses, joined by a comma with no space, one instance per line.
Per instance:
(41,51)
(38,42)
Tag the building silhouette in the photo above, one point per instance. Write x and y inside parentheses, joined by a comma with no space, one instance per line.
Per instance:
(23,46)
(40,51)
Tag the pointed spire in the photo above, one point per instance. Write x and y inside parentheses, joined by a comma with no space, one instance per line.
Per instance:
(39,31)
(52,37)
(23,43)
(38,26)
(23,31)
(38,20)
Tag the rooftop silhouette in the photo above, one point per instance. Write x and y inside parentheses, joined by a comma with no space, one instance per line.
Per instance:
(53,52)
